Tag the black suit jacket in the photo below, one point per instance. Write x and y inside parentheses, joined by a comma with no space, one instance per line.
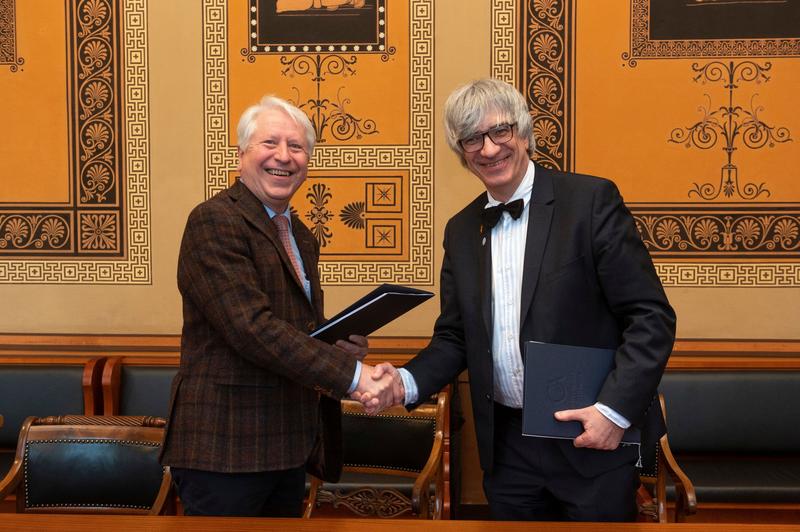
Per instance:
(588,280)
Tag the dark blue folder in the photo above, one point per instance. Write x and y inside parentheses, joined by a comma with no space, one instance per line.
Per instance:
(563,377)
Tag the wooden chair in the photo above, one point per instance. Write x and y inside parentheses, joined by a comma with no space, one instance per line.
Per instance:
(394,464)
(90,464)
(658,463)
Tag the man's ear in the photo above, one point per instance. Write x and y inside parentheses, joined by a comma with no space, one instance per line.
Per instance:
(239,154)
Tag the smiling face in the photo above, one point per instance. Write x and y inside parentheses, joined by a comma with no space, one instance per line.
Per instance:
(501,167)
(275,162)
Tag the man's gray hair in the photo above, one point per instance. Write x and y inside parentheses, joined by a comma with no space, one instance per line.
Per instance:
(469,104)
(247,122)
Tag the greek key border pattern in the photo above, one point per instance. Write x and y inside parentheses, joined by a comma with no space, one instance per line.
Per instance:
(220,157)
(732,275)
(417,157)
(641,47)
(136,269)
(504,36)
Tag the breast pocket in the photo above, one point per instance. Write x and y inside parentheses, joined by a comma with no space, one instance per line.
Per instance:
(574,268)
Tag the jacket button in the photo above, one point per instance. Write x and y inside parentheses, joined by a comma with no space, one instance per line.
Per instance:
(311,326)
(488,397)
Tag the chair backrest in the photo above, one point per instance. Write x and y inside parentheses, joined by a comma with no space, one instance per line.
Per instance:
(701,404)
(37,390)
(136,389)
(89,464)
(145,390)
(37,386)
(395,442)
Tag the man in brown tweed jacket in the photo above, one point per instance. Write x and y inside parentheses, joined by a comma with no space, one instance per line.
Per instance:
(245,416)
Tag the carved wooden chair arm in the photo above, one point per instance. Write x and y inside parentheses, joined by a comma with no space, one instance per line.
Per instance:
(420,493)
(685,496)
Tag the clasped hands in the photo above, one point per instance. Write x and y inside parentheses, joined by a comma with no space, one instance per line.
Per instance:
(379,387)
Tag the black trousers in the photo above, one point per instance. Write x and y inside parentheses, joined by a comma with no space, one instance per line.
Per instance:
(532,480)
(267,494)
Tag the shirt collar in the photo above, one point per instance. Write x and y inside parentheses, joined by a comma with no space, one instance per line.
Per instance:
(523,190)
(285,214)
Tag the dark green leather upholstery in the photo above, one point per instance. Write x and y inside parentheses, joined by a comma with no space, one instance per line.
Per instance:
(92,473)
(145,390)
(37,390)
(736,434)
(401,443)
(90,464)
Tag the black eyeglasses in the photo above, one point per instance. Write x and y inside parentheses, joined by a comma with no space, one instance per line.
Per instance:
(499,134)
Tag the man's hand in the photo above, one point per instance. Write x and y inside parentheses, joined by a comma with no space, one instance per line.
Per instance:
(398,390)
(599,432)
(357,345)
(375,394)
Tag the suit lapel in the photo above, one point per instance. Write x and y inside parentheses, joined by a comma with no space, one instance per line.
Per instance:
(539,218)
(255,213)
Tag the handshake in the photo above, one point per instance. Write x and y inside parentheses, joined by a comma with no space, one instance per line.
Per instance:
(379,387)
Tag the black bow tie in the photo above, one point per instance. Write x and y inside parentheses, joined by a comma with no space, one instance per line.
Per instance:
(492,215)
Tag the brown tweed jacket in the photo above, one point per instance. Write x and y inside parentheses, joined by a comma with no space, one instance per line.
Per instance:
(246,397)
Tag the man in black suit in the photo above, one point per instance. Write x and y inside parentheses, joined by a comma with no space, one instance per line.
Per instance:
(553,257)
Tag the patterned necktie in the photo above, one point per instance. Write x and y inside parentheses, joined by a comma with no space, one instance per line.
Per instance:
(492,215)
(282,223)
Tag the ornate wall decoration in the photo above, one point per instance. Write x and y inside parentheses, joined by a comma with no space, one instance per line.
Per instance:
(101,234)
(727,124)
(8,36)
(533,45)
(697,29)
(328,115)
(543,70)
(318,36)
(356,170)
(733,275)
(721,231)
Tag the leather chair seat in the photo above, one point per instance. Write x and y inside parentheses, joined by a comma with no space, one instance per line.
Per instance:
(743,480)
(351,481)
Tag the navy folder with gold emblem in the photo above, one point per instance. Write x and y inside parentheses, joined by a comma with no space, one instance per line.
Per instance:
(563,377)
